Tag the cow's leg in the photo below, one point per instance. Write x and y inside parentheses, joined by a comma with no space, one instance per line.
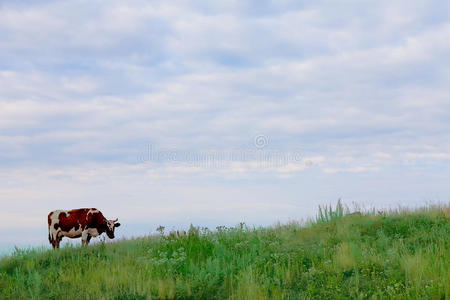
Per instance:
(58,239)
(84,238)
(88,239)
(55,239)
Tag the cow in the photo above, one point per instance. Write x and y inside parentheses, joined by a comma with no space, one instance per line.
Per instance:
(84,222)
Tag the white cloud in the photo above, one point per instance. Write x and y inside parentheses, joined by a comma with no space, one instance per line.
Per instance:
(351,170)
(382,155)
(433,155)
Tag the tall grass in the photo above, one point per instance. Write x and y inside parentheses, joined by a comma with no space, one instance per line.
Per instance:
(397,254)
(328,214)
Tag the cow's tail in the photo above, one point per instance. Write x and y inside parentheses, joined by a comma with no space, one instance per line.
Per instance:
(50,238)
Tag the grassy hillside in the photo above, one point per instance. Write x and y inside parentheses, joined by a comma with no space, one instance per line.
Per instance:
(402,254)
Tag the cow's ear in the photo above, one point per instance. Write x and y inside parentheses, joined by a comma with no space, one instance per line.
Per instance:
(116,224)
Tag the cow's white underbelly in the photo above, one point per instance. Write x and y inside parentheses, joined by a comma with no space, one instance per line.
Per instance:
(72,233)
(93,232)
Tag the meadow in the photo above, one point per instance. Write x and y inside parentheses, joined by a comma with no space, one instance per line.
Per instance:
(397,254)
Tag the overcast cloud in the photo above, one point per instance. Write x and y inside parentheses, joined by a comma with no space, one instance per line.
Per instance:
(352,96)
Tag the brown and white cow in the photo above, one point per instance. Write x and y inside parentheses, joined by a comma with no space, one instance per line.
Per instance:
(75,223)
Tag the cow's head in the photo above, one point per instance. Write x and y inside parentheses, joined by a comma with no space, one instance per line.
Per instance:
(110,226)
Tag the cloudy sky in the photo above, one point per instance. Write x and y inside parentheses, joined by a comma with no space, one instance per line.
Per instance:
(211,113)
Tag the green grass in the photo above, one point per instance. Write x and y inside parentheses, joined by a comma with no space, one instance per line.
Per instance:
(398,254)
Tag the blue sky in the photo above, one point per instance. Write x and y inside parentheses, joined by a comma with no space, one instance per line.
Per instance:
(352,96)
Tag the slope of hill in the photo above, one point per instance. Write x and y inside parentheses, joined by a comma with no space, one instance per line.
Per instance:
(397,254)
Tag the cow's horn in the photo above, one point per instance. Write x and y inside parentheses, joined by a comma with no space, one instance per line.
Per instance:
(117,219)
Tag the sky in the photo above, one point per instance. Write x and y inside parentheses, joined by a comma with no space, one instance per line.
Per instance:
(219,112)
